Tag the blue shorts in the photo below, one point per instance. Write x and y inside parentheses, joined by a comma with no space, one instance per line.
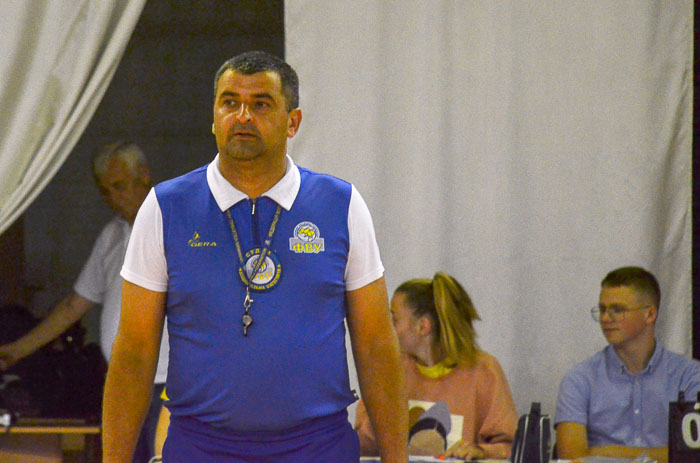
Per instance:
(325,439)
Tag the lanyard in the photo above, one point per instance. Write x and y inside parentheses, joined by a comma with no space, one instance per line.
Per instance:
(247,319)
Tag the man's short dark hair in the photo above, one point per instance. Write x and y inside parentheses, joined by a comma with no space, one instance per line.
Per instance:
(252,62)
(638,278)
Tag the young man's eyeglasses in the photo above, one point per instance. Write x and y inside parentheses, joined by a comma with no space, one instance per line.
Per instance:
(615,312)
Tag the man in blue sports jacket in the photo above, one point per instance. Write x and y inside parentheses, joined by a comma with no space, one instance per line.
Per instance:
(257,263)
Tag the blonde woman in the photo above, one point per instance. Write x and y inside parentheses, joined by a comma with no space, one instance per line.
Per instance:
(434,323)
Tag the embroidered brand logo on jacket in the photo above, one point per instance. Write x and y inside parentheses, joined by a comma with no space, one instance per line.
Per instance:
(194,242)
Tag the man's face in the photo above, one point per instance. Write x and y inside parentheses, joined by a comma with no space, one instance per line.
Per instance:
(250,116)
(124,190)
(622,329)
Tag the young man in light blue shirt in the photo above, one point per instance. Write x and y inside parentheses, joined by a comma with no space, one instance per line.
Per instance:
(616,402)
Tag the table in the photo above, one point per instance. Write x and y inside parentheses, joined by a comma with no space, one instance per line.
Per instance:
(418,459)
(62,427)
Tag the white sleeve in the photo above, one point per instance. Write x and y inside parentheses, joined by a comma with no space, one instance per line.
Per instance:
(91,281)
(144,263)
(364,263)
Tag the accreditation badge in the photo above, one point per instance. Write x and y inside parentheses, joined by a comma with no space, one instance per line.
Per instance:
(268,274)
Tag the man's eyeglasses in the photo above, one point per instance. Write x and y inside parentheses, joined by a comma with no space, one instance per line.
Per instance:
(615,312)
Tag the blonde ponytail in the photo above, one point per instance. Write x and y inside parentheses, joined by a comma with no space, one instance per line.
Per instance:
(456,315)
(448,305)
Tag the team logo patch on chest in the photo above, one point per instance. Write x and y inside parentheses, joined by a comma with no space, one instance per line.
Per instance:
(307,239)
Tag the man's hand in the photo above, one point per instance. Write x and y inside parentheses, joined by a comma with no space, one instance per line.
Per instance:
(63,316)
(379,369)
(465,451)
(132,366)
(572,443)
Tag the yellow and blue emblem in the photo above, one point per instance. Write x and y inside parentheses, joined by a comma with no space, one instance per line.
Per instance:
(307,239)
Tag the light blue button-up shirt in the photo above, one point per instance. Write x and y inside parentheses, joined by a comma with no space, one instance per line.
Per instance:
(619,408)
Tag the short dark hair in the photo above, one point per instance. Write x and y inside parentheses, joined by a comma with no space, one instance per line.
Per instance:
(638,278)
(252,62)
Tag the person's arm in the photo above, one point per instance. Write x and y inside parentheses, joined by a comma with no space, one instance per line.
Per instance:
(572,443)
(499,417)
(62,317)
(379,369)
(162,430)
(464,451)
(368,445)
(131,370)
(659,454)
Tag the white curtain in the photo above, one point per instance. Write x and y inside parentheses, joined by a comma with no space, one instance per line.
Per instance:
(527,148)
(57,58)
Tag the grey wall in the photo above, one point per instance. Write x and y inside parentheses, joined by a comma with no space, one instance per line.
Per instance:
(161,98)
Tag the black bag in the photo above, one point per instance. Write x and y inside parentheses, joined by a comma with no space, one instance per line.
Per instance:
(532,443)
(63,379)
(684,430)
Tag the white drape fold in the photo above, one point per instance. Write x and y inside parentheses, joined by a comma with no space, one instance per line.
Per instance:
(57,58)
(527,148)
